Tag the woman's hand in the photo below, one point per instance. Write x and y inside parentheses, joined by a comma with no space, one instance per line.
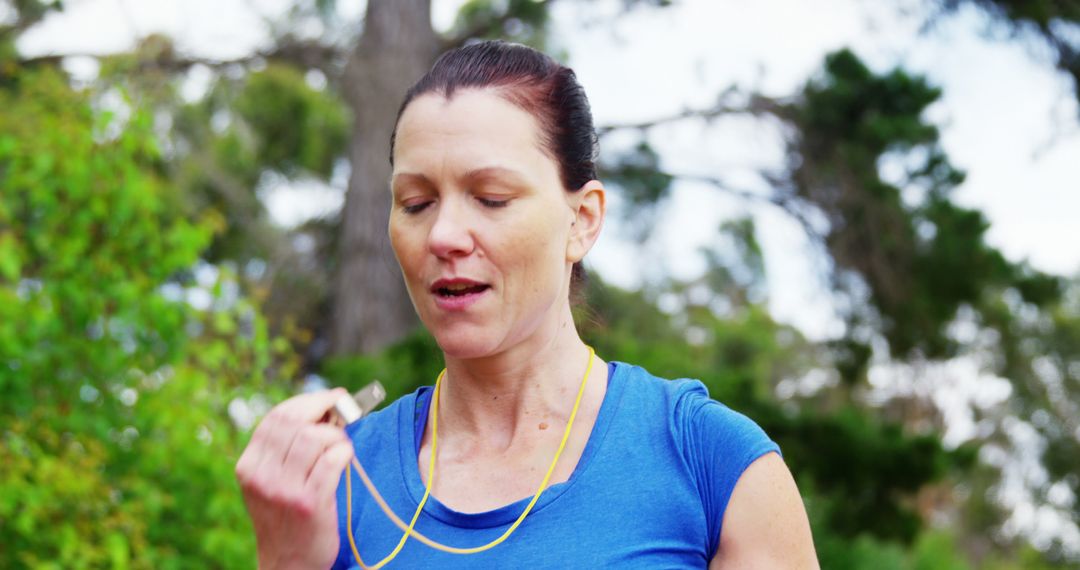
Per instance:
(289,474)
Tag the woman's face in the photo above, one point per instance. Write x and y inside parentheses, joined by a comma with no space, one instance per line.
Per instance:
(480,222)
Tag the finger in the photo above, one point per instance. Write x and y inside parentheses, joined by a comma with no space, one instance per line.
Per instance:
(310,442)
(248,464)
(309,407)
(281,485)
(326,474)
(278,428)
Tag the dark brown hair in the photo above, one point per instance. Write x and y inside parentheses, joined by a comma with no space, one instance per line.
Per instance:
(538,85)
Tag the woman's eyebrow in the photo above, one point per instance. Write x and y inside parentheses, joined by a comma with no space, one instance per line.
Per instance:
(410,178)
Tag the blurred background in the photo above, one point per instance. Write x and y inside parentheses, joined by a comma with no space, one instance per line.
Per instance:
(855,221)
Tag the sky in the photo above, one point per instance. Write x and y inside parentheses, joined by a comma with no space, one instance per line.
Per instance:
(1006,117)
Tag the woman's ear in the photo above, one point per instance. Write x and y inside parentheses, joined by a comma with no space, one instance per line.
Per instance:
(588,206)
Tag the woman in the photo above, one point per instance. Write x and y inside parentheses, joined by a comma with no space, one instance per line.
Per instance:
(495,203)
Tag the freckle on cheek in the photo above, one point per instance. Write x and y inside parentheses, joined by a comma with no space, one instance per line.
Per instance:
(543,426)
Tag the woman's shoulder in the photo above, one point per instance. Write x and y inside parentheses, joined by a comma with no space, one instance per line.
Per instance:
(685,398)
(643,383)
(694,418)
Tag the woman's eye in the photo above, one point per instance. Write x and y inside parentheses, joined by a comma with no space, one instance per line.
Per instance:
(493,203)
(414,208)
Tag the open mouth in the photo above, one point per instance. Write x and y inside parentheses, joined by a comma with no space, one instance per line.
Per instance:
(461,290)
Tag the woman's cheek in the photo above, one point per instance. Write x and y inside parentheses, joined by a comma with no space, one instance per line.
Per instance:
(541,263)
(407,241)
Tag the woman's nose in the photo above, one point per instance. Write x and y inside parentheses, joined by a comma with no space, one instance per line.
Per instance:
(451,234)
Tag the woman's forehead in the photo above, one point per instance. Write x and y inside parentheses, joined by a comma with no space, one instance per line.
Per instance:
(473,125)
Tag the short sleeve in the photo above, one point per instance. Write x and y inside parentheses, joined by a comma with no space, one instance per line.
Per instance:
(717,444)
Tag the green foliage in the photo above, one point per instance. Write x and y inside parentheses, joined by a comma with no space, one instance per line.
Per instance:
(270,120)
(56,507)
(931,551)
(638,175)
(863,471)
(522,21)
(87,234)
(1027,558)
(1039,351)
(1039,12)
(921,260)
(860,112)
(295,126)
(102,467)
(848,120)
(326,8)
(27,13)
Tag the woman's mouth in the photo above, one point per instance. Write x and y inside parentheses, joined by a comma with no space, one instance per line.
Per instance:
(457,294)
(461,290)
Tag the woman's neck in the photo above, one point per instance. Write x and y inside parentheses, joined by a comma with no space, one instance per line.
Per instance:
(492,400)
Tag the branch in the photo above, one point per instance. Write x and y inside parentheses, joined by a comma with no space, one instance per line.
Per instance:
(788,203)
(329,59)
(161,63)
(758,105)
(26,17)
(301,54)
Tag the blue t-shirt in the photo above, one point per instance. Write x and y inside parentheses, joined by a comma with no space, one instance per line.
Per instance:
(649,490)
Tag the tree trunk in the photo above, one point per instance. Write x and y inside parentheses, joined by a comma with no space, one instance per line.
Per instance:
(398,45)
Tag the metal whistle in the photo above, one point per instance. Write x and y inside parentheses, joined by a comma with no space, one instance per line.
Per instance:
(360,404)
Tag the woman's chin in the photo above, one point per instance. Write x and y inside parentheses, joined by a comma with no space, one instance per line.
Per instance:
(465,346)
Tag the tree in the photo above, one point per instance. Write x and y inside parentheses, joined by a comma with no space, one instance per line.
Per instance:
(98,345)
(398,45)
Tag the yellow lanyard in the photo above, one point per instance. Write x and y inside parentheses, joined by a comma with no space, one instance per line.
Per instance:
(409,531)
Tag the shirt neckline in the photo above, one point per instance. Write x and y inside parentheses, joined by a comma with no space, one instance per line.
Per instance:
(413,418)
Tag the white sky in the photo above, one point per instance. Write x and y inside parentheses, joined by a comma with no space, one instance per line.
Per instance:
(1007,118)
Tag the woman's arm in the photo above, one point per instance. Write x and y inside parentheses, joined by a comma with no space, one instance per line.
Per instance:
(765,524)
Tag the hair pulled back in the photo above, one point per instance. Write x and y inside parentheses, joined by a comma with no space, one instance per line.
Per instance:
(537,84)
